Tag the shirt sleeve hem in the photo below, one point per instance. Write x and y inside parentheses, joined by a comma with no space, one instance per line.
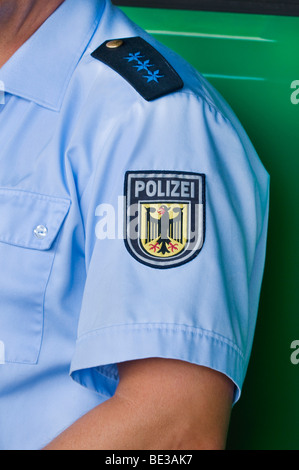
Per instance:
(97,353)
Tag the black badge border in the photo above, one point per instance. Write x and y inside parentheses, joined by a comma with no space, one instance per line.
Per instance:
(164,172)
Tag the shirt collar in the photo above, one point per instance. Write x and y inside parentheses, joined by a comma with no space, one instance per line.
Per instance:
(41,69)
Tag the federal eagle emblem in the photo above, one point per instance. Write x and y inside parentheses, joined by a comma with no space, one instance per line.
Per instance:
(164,228)
(165,217)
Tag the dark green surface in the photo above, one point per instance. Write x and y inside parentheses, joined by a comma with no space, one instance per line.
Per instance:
(252,60)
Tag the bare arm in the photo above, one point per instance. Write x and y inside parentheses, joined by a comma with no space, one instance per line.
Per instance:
(159,404)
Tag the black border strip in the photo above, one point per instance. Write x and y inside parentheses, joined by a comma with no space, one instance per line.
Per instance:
(266,7)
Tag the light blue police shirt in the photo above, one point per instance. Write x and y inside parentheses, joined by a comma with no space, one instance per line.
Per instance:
(78,294)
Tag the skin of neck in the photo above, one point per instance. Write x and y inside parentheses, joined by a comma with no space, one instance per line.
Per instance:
(19,20)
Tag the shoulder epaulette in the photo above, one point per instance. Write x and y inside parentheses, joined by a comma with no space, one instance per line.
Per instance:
(141,65)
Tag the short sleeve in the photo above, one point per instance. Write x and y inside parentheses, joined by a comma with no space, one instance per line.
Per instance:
(139,301)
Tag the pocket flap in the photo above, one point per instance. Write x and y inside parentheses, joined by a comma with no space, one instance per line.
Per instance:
(30,220)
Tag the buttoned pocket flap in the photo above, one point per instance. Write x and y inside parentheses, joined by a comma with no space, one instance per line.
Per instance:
(30,220)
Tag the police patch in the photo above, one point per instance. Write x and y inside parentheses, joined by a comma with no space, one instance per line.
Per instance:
(165,217)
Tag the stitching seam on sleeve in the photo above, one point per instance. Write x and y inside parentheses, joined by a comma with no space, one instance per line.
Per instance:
(171,328)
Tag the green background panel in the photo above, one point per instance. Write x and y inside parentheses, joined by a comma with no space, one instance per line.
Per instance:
(252,60)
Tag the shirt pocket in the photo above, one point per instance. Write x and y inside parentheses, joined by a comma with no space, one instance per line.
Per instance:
(29,226)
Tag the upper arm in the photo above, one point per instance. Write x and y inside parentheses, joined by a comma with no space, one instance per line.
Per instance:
(184,406)
(202,309)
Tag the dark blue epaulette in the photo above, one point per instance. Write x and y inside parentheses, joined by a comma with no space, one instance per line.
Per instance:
(141,65)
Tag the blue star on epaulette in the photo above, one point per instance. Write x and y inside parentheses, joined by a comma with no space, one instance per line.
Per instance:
(153,76)
(134,57)
(143,66)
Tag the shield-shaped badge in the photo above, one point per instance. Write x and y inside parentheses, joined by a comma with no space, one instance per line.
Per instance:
(165,217)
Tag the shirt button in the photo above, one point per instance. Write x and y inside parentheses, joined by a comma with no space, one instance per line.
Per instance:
(41,232)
